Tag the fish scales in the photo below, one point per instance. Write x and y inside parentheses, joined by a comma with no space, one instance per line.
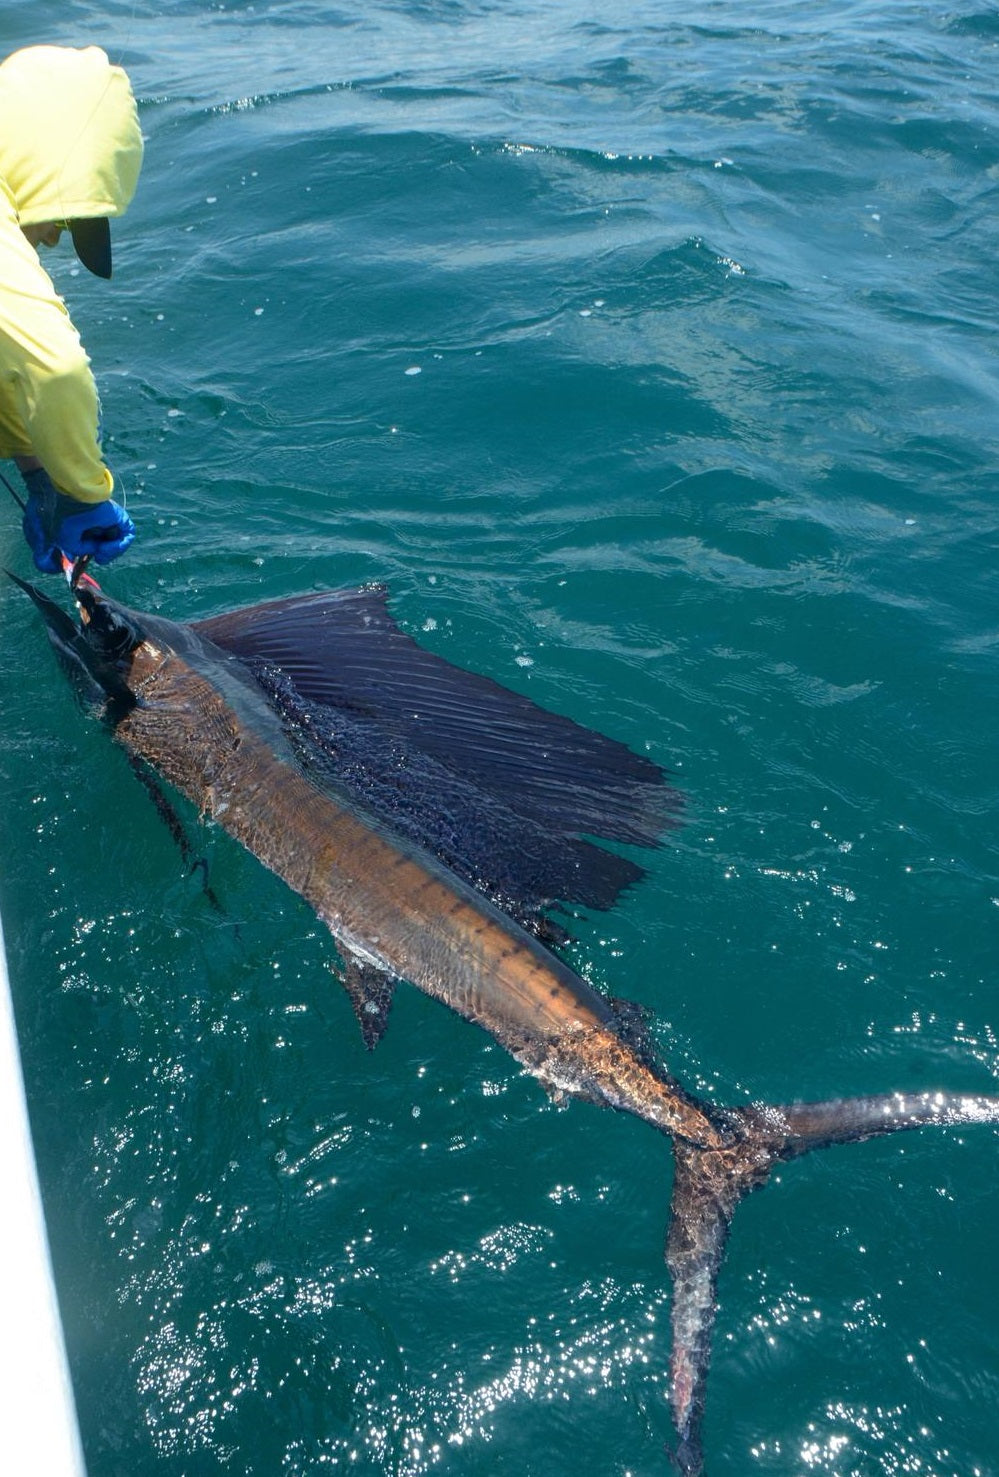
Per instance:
(395,906)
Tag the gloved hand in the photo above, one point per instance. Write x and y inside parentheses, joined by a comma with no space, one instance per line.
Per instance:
(54,522)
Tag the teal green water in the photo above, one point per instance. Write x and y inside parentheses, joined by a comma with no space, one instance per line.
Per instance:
(650,359)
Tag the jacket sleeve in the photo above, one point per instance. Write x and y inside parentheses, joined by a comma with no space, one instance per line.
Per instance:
(50,405)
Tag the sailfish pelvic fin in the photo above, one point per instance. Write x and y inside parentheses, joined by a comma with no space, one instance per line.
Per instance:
(370,990)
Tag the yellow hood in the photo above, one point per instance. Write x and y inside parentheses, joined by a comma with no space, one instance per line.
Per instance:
(70,144)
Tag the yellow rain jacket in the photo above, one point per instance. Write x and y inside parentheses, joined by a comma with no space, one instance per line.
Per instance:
(70,148)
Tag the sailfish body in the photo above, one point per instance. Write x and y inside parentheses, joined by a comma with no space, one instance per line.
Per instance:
(393,908)
(431,818)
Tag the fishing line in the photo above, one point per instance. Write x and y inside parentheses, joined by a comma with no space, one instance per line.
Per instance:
(14,494)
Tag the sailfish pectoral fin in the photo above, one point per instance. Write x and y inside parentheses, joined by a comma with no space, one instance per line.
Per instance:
(168,813)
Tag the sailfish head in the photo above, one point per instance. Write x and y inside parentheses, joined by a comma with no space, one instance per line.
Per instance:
(94,650)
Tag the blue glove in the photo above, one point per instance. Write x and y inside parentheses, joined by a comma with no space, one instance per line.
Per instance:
(55,523)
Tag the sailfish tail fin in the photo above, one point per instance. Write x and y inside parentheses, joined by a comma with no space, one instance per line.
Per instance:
(708,1185)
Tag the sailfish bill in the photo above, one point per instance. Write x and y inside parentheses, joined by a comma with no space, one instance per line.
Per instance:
(434,820)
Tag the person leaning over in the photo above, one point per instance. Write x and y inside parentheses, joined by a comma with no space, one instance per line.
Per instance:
(70,154)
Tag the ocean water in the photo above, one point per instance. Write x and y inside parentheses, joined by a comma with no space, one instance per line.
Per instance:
(647,354)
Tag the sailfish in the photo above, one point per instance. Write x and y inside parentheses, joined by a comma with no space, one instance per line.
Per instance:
(436,822)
